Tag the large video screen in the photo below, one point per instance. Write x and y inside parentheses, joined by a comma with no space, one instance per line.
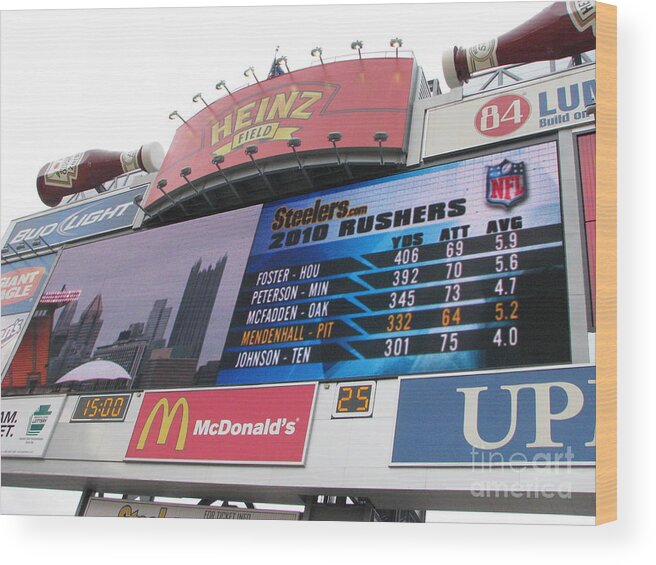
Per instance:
(144,310)
(457,267)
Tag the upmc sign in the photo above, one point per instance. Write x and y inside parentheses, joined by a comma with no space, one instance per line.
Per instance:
(495,419)
(356,98)
(268,425)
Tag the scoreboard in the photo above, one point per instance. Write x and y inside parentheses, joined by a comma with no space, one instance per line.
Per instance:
(456,267)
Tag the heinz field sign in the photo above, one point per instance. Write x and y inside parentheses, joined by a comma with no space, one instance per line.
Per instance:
(353,97)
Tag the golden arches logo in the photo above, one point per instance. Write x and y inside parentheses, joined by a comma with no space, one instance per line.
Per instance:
(168,415)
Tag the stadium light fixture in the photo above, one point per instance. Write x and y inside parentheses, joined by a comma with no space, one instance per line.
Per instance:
(381,137)
(198,97)
(160,186)
(357,44)
(250,71)
(396,42)
(222,84)
(295,142)
(334,137)
(250,151)
(317,52)
(137,202)
(7,248)
(25,244)
(216,161)
(175,114)
(39,240)
(184,173)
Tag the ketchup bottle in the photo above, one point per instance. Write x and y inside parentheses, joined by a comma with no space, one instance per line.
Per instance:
(88,169)
(560,30)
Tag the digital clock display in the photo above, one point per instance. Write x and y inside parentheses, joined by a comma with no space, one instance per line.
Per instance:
(354,400)
(101,408)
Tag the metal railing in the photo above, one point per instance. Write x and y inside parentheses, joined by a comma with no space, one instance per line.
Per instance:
(117,183)
(386,54)
(492,79)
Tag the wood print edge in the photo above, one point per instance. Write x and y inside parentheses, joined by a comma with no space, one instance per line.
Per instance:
(606,349)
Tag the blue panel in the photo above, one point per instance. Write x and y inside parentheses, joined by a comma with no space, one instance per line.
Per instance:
(102,215)
(503,418)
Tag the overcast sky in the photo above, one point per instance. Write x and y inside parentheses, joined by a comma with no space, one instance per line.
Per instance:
(108,79)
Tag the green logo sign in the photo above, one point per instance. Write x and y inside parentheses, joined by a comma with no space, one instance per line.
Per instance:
(38,420)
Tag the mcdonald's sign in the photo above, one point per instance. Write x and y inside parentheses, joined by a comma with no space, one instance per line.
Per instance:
(261,424)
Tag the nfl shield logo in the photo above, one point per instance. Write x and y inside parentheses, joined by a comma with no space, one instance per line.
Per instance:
(506,183)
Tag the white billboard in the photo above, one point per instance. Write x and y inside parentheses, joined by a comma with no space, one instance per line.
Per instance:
(26,424)
(510,113)
(11,328)
(107,507)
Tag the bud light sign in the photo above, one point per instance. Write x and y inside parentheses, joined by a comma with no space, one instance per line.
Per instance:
(89,218)
(496,419)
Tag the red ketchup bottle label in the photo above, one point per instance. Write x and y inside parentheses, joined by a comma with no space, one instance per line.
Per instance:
(89,169)
(64,172)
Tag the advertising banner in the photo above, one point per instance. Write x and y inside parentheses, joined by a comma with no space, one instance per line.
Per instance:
(494,419)
(104,214)
(353,97)
(26,424)
(150,308)
(267,425)
(21,283)
(455,267)
(11,328)
(510,113)
(108,507)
